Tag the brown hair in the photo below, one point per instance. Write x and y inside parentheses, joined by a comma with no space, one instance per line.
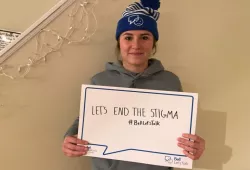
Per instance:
(117,49)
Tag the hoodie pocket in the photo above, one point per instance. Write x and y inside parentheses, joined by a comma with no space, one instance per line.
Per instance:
(103,164)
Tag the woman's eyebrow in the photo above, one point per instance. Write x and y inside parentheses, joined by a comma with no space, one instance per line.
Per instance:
(127,34)
(146,34)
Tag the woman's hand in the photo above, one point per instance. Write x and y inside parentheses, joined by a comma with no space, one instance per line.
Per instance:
(193,145)
(71,148)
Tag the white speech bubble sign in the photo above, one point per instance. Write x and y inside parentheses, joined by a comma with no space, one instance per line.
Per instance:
(137,125)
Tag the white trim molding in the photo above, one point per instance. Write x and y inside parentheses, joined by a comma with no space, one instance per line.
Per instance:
(34,29)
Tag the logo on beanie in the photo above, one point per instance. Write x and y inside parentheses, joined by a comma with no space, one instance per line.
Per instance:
(136,20)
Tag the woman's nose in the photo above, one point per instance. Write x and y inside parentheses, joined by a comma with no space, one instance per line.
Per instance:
(136,44)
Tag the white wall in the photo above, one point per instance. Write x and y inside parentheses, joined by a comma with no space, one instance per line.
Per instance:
(204,42)
(19,15)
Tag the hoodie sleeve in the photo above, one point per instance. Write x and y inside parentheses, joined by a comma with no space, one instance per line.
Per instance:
(73,129)
(180,89)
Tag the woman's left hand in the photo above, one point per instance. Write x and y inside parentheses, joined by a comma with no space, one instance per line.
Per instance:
(193,145)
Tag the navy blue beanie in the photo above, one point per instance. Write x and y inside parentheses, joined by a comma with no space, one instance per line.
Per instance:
(140,16)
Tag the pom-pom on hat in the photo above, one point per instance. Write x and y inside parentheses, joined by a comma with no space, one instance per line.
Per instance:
(140,16)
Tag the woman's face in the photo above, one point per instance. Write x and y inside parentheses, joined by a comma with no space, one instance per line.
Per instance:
(136,47)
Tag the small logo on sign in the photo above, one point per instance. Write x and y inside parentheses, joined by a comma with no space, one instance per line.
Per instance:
(168,159)
(177,160)
(90,150)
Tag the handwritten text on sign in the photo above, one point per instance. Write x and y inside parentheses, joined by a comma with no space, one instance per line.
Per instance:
(136,112)
(137,125)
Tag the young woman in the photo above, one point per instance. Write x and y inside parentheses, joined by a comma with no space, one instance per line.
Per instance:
(136,37)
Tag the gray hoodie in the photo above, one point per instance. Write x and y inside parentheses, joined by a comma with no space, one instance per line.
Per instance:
(155,77)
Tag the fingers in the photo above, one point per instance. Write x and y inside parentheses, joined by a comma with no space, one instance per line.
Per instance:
(71,153)
(74,147)
(187,148)
(195,138)
(74,140)
(186,142)
(194,148)
(189,155)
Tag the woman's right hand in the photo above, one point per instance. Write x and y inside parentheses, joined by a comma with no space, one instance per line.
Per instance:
(71,148)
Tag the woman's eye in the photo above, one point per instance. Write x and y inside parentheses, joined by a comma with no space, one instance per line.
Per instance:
(145,38)
(128,38)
